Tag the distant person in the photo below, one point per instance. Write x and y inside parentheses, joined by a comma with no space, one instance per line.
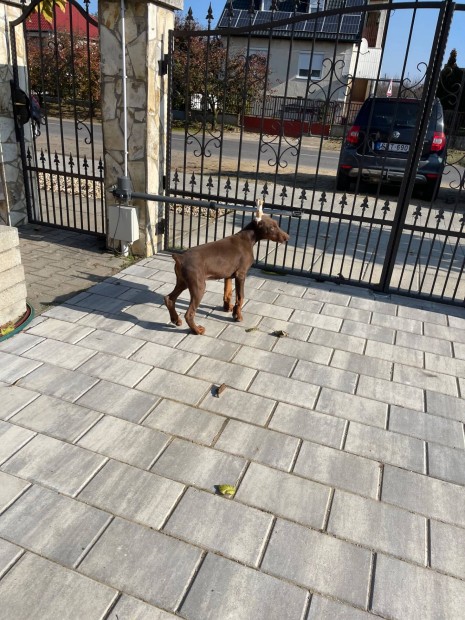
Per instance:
(36,116)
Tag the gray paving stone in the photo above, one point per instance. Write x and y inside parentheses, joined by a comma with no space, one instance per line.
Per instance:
(140,271)
(9,554)
(198,466)
(427,496)
(346,312)
(60,353)
(303,350)
(459,350)
(385,446)
(13,399)
(165,357)
(286,287)
(327,294)
(132,494)
(327,376)
(394,353)
(102,303)
(425,426)
(284,495)
(111,287)
(446,365)
(119,401)
(362,364)
(424,343)
(13,367)
(278,364)
(241,405)
(445,333)
(109,342)
(338,469)
(448,548)
(284,389)
(262,597)
(373,305)
(255,338)
(295,330)
(307,424)
(368,331)
(446,463)
(326,609)
(272,310)
(51,591)
(159,580)
(125,441)
(10,489)
(258,444)
(317,320)
(456,321)
(12,438)
(379,526)
(210,347)
(425,379)
(116,369)
(56,417)
(296,303)
(131,608)
(413,326)
(188,422)
(218,372)
(445,406)
(61,330)
(166,384)
(218,320)
(350,407)
(336,340)
(106,322)
(402,590)
(51,525)
(66,384)
(319,562)
(20,343)
(210,521)
(391,392)
(413,312)
(55,464)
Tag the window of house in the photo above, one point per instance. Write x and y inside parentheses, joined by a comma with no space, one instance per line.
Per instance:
(314,71)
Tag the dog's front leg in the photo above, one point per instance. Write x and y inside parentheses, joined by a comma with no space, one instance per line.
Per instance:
(227,305)
(237,312)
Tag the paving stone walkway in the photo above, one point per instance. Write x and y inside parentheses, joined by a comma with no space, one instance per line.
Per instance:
(344,440)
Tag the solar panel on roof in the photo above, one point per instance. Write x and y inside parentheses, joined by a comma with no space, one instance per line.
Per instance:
(350,24)
(331,24)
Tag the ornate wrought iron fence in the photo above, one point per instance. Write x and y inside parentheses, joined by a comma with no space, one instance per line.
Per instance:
(389,237)
(61,146)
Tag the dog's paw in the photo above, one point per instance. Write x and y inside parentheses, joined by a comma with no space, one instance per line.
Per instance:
(228,307)
(201,330)
(178,322)
(238,318)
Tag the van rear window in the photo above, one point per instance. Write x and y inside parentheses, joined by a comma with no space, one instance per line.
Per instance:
(391,114)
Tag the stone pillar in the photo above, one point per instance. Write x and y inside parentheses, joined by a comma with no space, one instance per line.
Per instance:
(12,279)
(147,27)
(13,208)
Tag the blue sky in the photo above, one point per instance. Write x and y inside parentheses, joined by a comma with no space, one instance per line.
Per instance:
(420,48)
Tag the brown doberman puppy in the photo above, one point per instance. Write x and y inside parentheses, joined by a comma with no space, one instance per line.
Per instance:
(227,258)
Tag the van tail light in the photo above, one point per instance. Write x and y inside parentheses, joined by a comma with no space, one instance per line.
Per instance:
(439,141)
(352,136)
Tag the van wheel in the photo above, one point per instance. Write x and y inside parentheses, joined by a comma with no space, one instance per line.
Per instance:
(431,190)
(342,182)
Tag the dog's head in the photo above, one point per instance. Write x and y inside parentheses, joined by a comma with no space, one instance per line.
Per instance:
(267,228)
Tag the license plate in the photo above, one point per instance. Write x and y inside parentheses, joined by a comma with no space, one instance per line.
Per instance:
(396,148)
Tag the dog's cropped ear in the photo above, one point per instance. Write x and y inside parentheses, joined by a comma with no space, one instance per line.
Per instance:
(259,211)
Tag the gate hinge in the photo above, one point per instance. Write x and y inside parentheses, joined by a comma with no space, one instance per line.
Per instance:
(160,227)
(163,64)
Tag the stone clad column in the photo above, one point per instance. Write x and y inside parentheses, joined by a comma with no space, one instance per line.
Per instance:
(147,27)
(13,210)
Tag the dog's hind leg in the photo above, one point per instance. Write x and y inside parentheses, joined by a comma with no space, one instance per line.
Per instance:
(196,297)
(227,305)
(237,310)
(170,300)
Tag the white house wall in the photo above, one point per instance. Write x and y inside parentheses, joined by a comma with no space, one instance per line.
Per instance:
(331,82)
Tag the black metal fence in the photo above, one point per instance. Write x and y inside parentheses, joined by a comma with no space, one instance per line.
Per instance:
(61,145)
(390,231)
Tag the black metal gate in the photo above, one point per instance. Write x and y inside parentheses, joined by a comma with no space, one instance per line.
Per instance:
(56,90)
(262,106)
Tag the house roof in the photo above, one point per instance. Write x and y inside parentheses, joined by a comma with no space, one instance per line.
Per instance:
(345,28)
(65,21)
